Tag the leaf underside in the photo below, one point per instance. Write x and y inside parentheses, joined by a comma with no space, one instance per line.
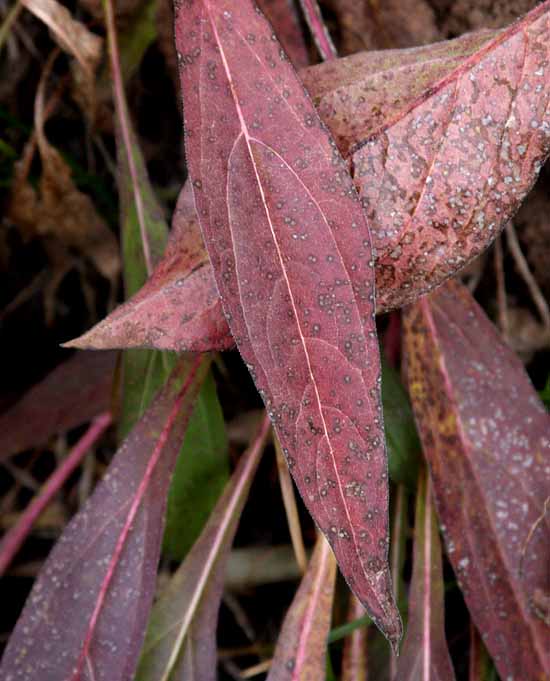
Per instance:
(290,250)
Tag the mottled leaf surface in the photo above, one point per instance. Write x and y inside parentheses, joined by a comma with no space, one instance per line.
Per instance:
(487,439)
(178,308)
(443,143)
(425,656)
(181,638)
(86,615)
(291,256)
(72,394)
(300,654)
(441,178)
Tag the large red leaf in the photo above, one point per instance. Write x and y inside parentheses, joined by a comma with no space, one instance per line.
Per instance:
(301,649)
(487,439)
(391,98)
(291,255)
(425,654)
(86,615)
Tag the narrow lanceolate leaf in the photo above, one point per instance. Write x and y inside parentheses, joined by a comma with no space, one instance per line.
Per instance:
(425,655)
(354,658)
(181,638)
(486,436)
(86,616)
(72,394)
(301,649)
(442,177)
(441,149)
(291,256)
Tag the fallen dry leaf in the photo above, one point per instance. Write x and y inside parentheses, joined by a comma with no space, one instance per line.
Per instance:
(75,39)
(58,209)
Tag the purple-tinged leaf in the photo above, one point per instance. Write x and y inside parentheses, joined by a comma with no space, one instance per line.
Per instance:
(425,656)
(291,255)
(440,179)
(396,114)
(72,394)
(86,616)
(486,436)
(178,308)
(181,638)
(354,658)
(283,17)
(301,649)
(318,29)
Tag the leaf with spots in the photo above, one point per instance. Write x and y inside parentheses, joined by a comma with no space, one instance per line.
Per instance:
(85,618)
(181,641)
(393,117)
(441,176)
(302,644)
(291,255)
(425,654)
(486,437)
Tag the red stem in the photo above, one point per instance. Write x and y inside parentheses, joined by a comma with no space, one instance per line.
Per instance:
(14,538)
(319,30)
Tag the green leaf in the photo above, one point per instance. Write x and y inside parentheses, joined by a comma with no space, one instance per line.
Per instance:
(200,476)
(401,435)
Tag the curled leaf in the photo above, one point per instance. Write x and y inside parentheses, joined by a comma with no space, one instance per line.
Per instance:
(301,648)
(291,256)
(486,437)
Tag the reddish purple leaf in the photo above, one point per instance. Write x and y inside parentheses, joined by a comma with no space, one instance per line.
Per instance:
(301,649)
(425,655)
(486,436)
(86,615)
(399,99)
(441,178)
(72,394)
(178,308)
(291,256)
